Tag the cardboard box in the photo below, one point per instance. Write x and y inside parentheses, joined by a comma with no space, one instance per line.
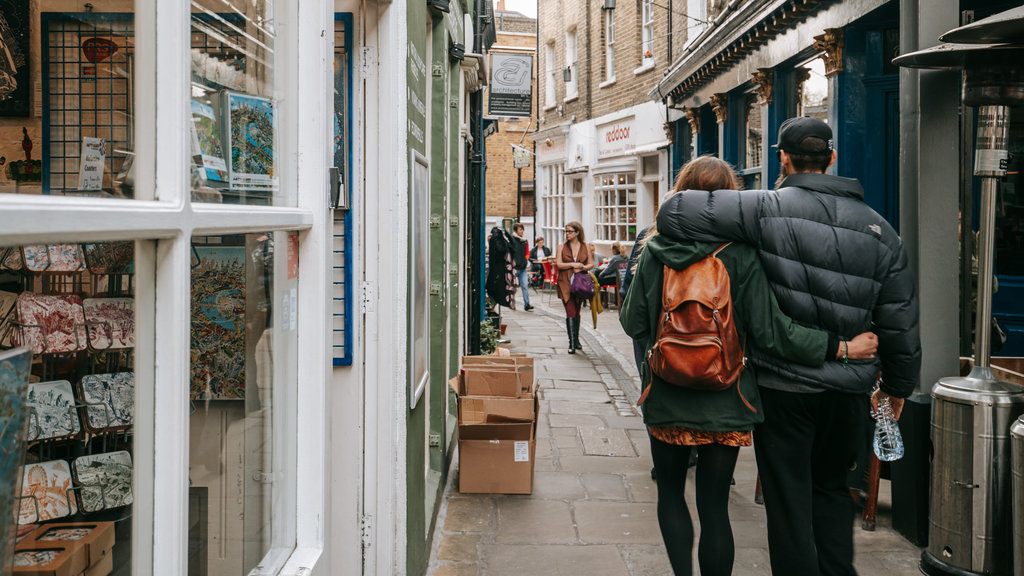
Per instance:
(497,458)
(96,537)
(63,560)
(103,568)
(490,380)
(523,365)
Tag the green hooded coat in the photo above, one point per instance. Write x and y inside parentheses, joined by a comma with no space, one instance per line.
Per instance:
(759,321)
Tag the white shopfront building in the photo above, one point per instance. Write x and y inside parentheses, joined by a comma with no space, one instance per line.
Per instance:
(609,173)
(264,436)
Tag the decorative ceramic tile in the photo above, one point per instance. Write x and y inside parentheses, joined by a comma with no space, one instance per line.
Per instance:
(54,258)
(109,257)
(218,323)
(14,371)
(52,412)
(66,534)
(23,530)
(115,394)
(28,558)
(106,480)
(111,322)
(50,324)
(10,259)
(7,316)
(46,492)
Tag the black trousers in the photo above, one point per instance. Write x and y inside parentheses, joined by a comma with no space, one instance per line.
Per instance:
(804,449)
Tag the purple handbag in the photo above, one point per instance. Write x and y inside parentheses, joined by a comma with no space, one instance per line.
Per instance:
(582,286)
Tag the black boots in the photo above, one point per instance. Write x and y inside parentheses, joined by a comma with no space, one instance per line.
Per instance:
(576,333)
(568,330)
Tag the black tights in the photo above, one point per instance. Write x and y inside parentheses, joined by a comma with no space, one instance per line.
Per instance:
(715,465)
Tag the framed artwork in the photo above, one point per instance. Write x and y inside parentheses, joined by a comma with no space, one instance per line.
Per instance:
(110,323)
(249,138)
(207,152)
(14,372)
(218,323)
(52,412)
(46,492)
(50,324)
(14,66)
(419,249)
(109,400)
(105,480)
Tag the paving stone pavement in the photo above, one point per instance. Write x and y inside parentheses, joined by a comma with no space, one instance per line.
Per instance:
(593,507)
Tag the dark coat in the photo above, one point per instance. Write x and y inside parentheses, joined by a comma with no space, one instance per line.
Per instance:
(833,263)
(501,283)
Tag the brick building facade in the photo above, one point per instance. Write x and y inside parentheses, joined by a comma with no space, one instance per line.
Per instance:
(515,33)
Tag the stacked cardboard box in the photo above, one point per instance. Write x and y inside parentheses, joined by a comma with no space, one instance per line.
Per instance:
(66,549)
(497,424)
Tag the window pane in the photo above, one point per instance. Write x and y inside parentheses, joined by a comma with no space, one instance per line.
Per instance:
(752,142)
(813,91)
(234,110)
(72,307)
(76,137)
(242,455)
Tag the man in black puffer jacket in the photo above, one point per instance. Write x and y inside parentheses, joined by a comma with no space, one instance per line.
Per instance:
(834,264)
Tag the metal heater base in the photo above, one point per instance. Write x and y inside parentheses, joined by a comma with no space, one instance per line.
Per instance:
(934,567)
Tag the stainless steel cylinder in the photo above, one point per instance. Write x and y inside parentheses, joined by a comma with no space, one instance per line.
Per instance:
(1017,481)
(970,513)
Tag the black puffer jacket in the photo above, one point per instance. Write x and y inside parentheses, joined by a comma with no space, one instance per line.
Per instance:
(834,264)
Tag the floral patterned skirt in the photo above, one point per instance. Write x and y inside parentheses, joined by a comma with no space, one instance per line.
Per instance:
(680,435)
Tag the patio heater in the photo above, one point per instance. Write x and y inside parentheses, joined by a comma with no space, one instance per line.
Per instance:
(970,513)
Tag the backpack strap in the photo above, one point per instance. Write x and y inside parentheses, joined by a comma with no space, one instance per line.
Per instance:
(719,249)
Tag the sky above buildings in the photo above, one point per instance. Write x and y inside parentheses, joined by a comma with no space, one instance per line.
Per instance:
(526,7)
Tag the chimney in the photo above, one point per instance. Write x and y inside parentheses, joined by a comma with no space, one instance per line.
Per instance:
(501,4)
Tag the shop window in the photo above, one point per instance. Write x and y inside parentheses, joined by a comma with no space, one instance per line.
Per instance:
(67,382)
(553,207)
(241,437)
(235,145)
(753,138)
(813,91)
(615,206)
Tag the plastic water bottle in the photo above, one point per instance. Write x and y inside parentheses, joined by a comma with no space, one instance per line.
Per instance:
(888,443)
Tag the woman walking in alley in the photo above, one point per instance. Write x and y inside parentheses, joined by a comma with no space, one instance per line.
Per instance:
(573,256)
(714,423)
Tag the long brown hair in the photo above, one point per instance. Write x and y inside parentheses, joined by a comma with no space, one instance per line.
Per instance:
(579,231)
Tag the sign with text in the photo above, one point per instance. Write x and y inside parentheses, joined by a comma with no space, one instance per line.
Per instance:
(616,138)
(511,88)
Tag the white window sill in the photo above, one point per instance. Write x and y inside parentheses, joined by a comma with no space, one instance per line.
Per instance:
(549,107)
(606,83)
(646,67)
(571,98)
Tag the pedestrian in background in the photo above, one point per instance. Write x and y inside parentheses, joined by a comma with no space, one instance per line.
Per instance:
(538,255)
(573,256)
(836,264)
(521,261)
(714,423)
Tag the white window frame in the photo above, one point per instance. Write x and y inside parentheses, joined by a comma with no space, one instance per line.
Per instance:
(609,47)
(646,32)
(551,77)
(697,15)
(610,224)
(571,55)
(553,206)
(163,230)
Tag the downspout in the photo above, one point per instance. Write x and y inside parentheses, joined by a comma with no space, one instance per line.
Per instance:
(668,56)
(590,68)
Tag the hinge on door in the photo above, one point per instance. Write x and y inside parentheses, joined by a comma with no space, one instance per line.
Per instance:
(435,440)
(435,221)
(366,532)
(367,62)
(453,102)
(453,270)
(262,477)
(367,298)
(437,70)
(435,288)
(453,221)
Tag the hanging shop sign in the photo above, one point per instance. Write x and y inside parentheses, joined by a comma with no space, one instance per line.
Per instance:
(550,150)
(520,157)
(511,88)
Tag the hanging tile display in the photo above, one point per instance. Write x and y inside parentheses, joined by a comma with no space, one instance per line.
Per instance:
(109,257)
(105,480)
(53,258)
(50,324)
(52,412)
(11,259)
(109,399)
(7,317)
(14,372)
(111,323)
(46,492)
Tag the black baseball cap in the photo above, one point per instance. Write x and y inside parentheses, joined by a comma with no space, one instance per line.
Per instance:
(794,133)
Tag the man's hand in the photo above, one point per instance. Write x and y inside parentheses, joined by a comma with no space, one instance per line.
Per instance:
(896,403)
(862,347)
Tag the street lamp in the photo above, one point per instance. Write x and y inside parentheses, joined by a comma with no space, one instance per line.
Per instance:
(970,511)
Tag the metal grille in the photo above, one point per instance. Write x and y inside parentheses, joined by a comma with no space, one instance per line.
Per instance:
(87,69)
(341,293)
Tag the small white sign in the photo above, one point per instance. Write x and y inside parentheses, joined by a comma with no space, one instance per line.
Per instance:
(522,451)
(90,173)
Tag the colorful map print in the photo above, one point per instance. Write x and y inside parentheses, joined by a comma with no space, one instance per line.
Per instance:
(109,257)
(251,137)
(106,480)
(207,152)
(111,323)
(218,326)
(50,324)
(46,488)
(109,399)
(54,258)
(14,371)
(52,412)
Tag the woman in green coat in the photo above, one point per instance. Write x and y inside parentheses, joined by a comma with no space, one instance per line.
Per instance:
(716,424)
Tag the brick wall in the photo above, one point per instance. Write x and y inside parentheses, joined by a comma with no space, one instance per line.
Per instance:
(516,33)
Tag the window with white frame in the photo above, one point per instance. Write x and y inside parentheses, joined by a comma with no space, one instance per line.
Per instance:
(696,19)
(753,138)
(615,206)
(609,45)
(551,76)
(553,206)
(572,86)
(647,32)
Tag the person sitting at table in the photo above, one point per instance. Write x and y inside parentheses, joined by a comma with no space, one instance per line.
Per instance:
(539,253)
(611,267)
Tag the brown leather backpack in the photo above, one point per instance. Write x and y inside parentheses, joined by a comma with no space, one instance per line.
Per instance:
(696,345)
